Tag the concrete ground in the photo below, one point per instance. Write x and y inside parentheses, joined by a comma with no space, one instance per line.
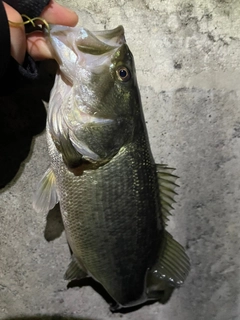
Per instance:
(187,56)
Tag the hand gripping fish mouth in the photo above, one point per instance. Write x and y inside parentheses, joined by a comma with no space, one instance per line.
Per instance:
(115,201)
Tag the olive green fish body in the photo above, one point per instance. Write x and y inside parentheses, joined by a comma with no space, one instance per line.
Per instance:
(112,219)
(114,199)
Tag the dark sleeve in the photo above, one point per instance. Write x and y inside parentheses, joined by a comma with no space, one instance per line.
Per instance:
(31,8)
(4,41)
(11,72)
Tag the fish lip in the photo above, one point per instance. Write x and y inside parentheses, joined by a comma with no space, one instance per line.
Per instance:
(107,35)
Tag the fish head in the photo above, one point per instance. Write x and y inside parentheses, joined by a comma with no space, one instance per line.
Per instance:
(101,102)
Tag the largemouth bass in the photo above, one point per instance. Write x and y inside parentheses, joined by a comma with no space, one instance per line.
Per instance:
(114,199)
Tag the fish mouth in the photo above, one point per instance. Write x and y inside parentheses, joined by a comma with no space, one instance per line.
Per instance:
(87,48)
(113,37)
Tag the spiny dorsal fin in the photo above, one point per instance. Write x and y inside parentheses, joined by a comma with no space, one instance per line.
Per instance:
(45,197)
(167,186)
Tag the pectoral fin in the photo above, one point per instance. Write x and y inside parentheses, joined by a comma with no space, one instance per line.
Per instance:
(45,197)
(171,269)
(74,271)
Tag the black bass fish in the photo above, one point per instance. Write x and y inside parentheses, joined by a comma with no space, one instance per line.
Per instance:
(114,199)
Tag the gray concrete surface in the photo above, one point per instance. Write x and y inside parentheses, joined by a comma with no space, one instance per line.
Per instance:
(187,56)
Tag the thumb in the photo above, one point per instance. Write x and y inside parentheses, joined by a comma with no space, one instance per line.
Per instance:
(17,34)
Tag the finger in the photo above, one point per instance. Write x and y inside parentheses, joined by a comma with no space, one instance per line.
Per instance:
(37,46)
(56,14)
(17,34)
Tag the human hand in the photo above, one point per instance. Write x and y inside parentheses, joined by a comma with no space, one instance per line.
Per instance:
(35,43)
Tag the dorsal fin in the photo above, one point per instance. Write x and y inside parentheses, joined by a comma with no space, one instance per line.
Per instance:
(167,185)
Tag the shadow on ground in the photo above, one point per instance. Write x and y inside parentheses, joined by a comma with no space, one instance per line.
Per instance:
(47,317)
(166,295)
(54,225)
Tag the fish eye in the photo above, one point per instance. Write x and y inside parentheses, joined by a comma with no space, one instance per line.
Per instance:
(123,74)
